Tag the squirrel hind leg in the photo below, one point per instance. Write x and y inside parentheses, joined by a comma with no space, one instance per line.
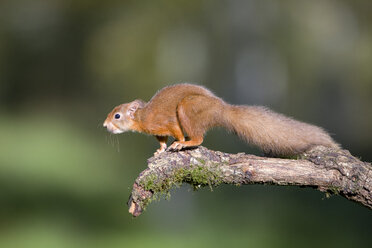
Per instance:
(190,122)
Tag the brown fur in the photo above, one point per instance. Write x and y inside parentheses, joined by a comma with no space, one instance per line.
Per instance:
(192,109)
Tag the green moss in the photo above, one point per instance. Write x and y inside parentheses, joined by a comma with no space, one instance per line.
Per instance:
(199,176)
(334,190)
(196,175)
(327,195)
(294,157)
(201,161)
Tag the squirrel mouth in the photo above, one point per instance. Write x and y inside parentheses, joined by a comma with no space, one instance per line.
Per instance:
(116,131)
(113,129)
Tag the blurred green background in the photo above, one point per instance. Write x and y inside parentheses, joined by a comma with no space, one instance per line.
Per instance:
(64,181)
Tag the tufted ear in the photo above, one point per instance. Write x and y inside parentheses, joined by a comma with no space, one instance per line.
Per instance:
(133,106)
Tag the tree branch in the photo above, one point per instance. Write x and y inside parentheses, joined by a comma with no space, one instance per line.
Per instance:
(326,169)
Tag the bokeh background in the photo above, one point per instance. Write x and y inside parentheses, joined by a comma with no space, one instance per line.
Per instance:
(64,181)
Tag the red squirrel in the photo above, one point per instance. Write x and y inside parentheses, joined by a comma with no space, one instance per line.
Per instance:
(190,110)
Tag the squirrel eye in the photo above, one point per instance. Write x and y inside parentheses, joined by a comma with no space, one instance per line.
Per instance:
(117,116)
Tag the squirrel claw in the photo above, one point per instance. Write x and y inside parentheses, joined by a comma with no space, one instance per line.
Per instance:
(176,146)
(160,150)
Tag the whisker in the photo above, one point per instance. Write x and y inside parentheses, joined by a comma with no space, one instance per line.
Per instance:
(100,123)
(109,139)
(117,143)
(113,140)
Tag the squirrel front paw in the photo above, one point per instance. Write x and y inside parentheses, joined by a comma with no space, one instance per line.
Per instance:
(160,150)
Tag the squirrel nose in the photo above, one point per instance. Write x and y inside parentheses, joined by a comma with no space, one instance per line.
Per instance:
(105,124)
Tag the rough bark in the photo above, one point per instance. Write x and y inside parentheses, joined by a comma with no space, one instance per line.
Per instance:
(326,169)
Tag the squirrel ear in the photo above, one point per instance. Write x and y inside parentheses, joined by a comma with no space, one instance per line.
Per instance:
(133,106)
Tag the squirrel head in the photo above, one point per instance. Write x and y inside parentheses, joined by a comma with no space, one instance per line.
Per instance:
(122,117)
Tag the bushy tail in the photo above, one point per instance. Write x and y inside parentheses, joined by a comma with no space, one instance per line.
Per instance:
(275,134)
